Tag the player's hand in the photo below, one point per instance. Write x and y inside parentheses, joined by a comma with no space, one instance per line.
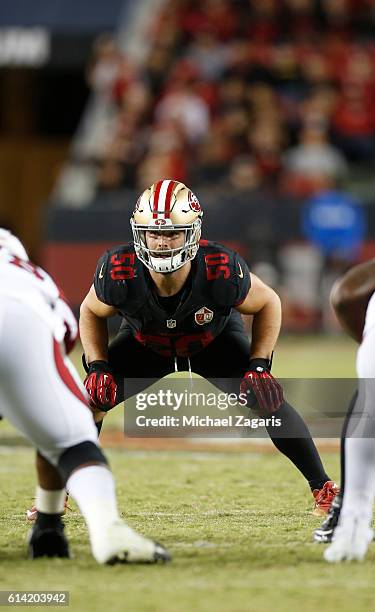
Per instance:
(101,385)
(258,384)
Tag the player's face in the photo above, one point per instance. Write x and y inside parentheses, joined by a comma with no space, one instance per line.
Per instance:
(163,242)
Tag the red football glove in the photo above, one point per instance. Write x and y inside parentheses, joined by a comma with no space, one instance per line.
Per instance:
(259,383)
(101,385)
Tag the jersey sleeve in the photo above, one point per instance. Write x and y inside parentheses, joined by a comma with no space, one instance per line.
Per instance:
(243,279)
(108,289)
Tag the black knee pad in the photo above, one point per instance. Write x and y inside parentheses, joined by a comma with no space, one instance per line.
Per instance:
(79,455)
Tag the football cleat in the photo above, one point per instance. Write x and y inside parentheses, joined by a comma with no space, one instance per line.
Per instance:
(32,513)
(324,498)
(121,544)
(324,534)
(48,542)
(350,541)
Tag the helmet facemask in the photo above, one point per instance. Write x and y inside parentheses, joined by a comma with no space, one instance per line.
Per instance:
(174,258)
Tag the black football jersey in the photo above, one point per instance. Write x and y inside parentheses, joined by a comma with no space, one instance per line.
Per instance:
(219,280)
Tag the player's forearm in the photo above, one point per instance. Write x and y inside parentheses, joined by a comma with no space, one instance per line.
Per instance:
(266,329)
(94,335)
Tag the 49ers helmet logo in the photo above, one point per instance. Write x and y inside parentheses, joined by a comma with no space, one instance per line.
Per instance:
(160,222)
(137,204)
(194,202)
(203,315)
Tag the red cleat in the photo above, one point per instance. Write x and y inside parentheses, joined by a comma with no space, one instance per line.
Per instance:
(324,498)
(32,513)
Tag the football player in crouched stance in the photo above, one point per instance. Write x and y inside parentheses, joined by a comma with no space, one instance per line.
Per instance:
(353,299)
(181,300)
(42,396)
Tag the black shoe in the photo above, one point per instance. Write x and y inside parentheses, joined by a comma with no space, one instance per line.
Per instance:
(48,541)
(324,534)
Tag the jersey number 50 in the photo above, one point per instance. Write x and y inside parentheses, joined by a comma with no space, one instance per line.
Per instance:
(217,266)
(119,271)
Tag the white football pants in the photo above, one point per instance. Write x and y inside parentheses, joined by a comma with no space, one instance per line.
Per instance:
(359,491)
(40,391)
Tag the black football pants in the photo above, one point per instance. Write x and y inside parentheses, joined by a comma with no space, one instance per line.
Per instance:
(226,358)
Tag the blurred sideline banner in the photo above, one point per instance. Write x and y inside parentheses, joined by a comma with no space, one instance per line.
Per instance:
(62,15)
(57,33)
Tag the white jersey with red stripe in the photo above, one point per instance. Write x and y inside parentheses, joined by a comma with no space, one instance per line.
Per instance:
(41,394)
(40,391)
(27,283)
(370,315)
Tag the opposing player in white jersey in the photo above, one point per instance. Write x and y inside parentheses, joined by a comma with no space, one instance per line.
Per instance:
(353,299)
(42,396)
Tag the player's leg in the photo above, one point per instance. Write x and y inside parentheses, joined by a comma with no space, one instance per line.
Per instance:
(47,537)
(28,403)
(324,534)
(353,533)
(50,492)
(50,409)
(134,367)
(49,480)
(227,357)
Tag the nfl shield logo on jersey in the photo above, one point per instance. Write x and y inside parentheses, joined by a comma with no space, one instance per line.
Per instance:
(171,323)
(204,315)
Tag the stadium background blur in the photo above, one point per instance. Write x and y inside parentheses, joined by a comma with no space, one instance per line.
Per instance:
(263,108)
(266,109)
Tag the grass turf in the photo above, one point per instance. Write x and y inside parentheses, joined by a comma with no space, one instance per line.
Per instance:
(238,525)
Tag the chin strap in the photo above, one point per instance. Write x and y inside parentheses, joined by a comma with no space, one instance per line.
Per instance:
(168,264)
(189,367)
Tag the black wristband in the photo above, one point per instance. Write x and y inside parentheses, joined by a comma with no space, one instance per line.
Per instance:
(99,366)
(259,362)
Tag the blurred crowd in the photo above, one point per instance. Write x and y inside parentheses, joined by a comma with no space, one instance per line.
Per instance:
(263,107)
(241,93)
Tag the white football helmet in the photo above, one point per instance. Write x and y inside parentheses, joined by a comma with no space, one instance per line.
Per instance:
(14,246)
(167,205)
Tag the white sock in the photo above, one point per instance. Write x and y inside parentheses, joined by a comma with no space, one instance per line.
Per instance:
(50,502)
(93,488)
(359,477)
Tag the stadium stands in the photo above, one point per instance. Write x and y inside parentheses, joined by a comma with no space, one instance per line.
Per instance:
(258,105)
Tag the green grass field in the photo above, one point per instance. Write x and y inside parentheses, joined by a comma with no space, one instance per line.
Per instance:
(315,357)
(237,523)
